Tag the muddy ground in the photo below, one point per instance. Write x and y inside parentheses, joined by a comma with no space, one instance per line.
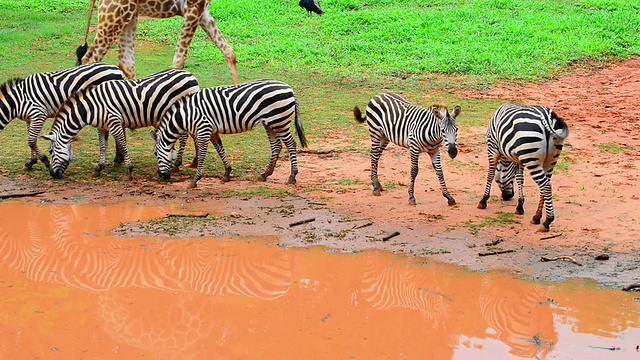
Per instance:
(596,195)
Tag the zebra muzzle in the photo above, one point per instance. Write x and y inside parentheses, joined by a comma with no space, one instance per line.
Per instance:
(453,151)
(56,174)
(164,175)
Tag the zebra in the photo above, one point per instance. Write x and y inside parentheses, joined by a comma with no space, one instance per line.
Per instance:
(113,106)
(528,137)
(231,110)
(38,97)
(391,118)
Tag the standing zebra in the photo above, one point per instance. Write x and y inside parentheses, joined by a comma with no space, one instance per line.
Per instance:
(231,110)
(525,136)
(391,118)
(113,106)
(38,96)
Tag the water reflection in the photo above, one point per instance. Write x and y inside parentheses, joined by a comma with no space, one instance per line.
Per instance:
(67,284)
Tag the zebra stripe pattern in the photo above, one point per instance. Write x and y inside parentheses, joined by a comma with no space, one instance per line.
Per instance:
(522,137)
(231,110)
(38,97)
(391,118)
(113,106)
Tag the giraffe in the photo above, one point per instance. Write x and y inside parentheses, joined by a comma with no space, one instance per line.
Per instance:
(118,20)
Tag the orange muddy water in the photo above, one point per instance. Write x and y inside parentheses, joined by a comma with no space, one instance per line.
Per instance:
(70,289)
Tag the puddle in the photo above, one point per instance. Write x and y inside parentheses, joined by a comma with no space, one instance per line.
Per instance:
(70,289)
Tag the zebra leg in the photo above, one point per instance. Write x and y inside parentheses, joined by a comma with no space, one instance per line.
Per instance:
(116,129)
(290,143)
(35,127)
(546,197)
(493,161)
(520,181)
(179,156)
(415,154)
(103,136)
(194,162)
(376,152)
(118,158)
(437,166)
(217,143)
(276,147)
(202,142)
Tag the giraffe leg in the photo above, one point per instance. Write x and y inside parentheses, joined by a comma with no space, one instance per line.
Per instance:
(208,24)
(192,15)
(113,16)
(126,42)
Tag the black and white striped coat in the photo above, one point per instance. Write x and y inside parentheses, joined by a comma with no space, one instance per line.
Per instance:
(391,118)
(38,97)
(522,137)
(231,110)
(113,106)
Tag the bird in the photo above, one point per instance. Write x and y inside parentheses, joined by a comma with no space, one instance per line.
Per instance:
(311,5)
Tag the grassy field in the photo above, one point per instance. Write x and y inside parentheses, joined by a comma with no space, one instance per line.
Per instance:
(335,61)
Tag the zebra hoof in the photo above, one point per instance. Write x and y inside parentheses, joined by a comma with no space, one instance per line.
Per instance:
(27,167)
(175,170)
(482,205)
(291,181)
(412,202)
(376,192)
(451,201)
(95,174)
(192,185)
(225,179)
(543,228)
(535,221)
(262,178)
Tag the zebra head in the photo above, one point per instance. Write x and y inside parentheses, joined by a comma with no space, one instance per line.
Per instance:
(448,126)
(505,175)
(165,153)
(61,155)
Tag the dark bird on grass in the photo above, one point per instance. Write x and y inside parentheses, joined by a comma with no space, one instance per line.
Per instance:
(311,5)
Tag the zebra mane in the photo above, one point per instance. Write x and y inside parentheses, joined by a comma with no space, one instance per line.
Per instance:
(7,85)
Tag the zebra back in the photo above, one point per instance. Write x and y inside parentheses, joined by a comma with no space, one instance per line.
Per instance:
(136,103)
(41,94)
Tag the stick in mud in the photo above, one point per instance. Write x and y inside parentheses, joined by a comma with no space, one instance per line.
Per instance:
(302,222)
(551,236)
(187,215)
(496,252)
(569,258)
(392,235)
(19,195)
(361,226)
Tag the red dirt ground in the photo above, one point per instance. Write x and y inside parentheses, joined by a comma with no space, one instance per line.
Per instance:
(596,198)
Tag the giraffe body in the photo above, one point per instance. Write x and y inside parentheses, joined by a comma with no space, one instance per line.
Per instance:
(118,20)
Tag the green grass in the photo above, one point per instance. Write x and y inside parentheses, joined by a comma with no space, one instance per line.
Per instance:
(501,219)
(357,49)
(614,148)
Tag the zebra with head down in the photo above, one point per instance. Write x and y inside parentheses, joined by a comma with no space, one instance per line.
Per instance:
(520,137)
(114,106)
(231,110)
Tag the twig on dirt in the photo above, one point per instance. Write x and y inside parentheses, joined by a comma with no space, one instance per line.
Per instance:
(317,203)
(361,226)
(631,287)
(551,236)
(319,152)
(392,235)
(606,348)
(187,215)
(568,258)
(18,195)
(302,222)
(494,242)
(496,252)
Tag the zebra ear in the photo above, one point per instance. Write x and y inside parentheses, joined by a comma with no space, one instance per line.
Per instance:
(439,111)
(456,111)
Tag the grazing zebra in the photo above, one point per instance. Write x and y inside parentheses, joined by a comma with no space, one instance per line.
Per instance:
(528,137)
(231,110)
(113,106)
(38,97)
(391,118)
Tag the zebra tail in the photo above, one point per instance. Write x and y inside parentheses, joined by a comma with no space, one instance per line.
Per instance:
(358,115)
(299,128)
(80,52)
(561,130)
